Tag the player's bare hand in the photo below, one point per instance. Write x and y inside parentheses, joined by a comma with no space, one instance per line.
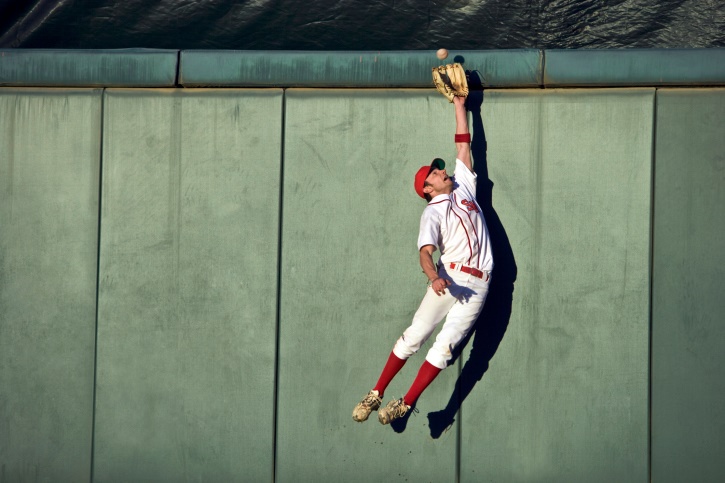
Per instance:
(439,286)
(459,101)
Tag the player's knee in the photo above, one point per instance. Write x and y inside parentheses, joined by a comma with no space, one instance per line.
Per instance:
(441,353)
(437,358)
(403,349)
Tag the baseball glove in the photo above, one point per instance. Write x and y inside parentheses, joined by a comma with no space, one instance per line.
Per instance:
(450,80)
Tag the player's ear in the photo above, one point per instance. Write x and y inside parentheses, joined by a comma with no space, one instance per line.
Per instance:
(427,188)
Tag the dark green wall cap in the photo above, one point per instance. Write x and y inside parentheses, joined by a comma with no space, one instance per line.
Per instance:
(634,67)
(363,69)
(88,68)
(410,69)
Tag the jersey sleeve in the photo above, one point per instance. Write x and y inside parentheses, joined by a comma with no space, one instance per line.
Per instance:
(465,178)
(429,233)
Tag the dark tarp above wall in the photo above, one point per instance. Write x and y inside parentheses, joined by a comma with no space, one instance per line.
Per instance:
(361,24)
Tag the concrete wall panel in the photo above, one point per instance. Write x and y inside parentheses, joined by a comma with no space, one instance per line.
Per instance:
(688,307)
(351,282)
(188,284)
(49,173)
(566,394)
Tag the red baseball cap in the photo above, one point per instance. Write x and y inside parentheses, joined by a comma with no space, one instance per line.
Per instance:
(423,173)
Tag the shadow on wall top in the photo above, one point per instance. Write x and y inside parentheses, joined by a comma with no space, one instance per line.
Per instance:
(489,329)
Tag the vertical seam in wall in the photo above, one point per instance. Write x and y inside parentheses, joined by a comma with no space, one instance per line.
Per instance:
(651,282)
(459,426)
(178,68)
(279,283)
(98,283)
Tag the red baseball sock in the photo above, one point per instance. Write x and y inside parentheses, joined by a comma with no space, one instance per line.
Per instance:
(392,367)
(425,376)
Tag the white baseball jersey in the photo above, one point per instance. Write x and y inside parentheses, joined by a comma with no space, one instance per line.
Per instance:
(454,224)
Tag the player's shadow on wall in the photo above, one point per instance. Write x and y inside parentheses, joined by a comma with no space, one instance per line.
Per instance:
(489,329)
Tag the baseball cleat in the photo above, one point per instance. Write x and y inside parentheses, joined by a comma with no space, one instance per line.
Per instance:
(393,410)
(369,403)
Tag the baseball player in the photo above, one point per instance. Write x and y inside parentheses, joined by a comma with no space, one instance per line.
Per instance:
(452,223)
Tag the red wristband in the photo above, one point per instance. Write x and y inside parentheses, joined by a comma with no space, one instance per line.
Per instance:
(463,138)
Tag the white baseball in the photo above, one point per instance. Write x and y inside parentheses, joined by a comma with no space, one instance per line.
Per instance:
(442,53)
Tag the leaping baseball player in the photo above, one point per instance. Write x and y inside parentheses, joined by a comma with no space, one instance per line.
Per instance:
(453,223)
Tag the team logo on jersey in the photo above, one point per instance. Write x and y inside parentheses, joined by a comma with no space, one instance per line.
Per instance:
(470,205)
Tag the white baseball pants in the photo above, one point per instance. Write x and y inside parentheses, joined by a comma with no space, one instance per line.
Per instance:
(462,302)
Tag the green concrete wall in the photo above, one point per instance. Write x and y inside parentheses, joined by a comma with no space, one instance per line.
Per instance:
(50,147)
(566,394)
(257,261)
(187,294)
(688,307)
(351,281)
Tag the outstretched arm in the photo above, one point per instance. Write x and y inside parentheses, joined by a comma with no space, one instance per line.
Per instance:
(463,148)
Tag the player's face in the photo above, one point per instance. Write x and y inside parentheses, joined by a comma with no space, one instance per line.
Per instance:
(439,180)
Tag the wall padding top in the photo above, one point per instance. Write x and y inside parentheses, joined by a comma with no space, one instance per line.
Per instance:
(497,68)
(88,68)
(634,67)
(359,69)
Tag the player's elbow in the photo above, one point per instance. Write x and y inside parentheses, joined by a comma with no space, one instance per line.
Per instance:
(427,250)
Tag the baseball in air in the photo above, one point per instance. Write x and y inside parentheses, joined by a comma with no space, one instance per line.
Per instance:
(442,53)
